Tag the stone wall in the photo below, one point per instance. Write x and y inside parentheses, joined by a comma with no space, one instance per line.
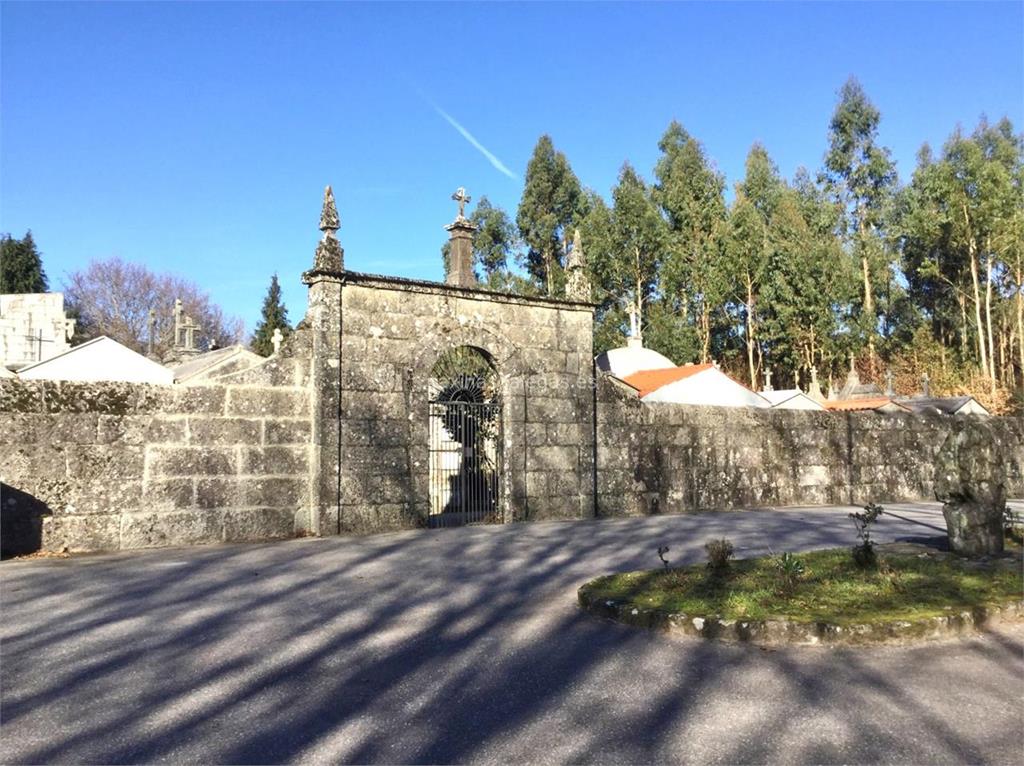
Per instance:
(332,435)
(393,331)
(669,458)
(108,466)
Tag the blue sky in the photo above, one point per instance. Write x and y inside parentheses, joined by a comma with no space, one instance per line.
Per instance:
(197,137)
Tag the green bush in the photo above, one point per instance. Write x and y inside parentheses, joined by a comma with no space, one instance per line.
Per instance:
(719,552)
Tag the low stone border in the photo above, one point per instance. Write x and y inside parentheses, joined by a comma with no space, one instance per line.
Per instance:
(781,631)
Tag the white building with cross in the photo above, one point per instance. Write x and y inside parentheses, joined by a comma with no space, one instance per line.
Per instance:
(33,328)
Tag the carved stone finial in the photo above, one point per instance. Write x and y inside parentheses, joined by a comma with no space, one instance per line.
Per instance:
(890,390)
(768,379)
(329,220)
(462,198)
(276,339)
(814,388)
(460,253)
(636,338)
(925,385)
(329,258)
(577,284)
(852,379)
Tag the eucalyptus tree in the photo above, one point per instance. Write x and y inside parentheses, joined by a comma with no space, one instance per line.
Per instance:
(959,234)
(809,284)
(747,263)
(689,191)
(626,246)
(746,253)
(552,203)
(861,176)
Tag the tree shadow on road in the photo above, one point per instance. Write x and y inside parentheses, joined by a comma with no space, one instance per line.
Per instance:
(454,646)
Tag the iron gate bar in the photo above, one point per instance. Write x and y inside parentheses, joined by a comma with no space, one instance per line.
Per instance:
(463,462)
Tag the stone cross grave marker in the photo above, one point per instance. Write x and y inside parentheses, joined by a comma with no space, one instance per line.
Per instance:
(462,198)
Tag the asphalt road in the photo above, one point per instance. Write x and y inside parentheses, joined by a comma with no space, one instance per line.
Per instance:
(466,645)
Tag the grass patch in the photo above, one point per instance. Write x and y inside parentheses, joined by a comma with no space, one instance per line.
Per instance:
(831,589)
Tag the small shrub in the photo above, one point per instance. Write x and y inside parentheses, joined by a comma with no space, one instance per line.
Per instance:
(662,550)
(719,552)
(864,553)
(791,569)
(864,556)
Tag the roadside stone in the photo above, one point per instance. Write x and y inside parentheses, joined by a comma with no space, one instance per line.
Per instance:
(970,482)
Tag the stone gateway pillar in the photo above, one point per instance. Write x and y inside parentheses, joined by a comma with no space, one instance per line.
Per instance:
(323,319)
(460,257)
(970,482)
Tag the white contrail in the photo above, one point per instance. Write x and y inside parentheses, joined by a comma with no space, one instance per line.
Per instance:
(498,164)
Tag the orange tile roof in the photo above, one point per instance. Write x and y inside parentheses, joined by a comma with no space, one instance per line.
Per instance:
(870,403)
(649,381)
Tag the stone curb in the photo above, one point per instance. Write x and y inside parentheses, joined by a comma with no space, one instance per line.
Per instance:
(779,632)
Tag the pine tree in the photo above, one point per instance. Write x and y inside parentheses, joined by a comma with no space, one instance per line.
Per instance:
(273,317)
(21,266)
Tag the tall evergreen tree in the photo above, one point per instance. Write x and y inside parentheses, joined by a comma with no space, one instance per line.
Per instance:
(626,263)
(959,240)
(550,207)
(690,192)
(21,266)
(746,263)
(861,178)
(274,316)
(746,246)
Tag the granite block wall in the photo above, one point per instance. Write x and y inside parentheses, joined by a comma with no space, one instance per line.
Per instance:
(668,458)
(109,466)
(392,333)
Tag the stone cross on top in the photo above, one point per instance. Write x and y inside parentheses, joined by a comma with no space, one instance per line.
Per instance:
(462,198)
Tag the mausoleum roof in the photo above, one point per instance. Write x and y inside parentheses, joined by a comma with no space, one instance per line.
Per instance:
(625,361)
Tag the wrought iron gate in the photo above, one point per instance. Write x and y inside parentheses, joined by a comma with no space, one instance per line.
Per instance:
(464,439)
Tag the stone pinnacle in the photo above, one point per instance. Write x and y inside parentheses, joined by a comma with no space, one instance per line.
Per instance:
(329,215)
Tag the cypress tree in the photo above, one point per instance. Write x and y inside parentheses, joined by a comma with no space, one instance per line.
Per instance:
(21,266)
(274,316)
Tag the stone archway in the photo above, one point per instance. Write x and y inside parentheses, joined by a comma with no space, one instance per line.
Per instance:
(465,437)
